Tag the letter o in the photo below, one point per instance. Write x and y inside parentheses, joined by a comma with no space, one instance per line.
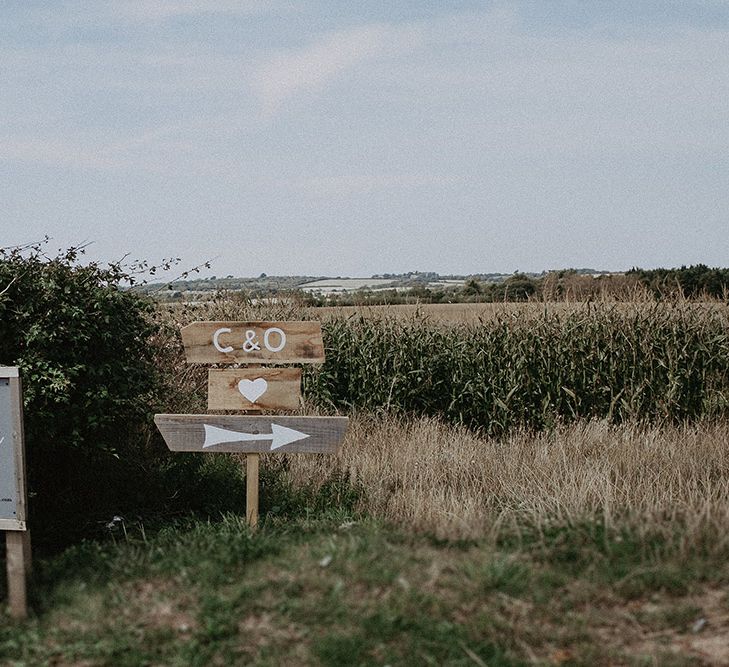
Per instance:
(267,343)
(216,341)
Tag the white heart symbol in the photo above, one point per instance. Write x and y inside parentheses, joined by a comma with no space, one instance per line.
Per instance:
(252,389)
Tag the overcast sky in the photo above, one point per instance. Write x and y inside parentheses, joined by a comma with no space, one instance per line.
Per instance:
(352,138)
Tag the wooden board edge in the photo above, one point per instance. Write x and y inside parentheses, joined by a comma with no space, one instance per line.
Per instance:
(255,362)
(13,524)
(247,322)
(203,415)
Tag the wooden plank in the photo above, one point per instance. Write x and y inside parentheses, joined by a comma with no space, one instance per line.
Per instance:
(16,393)
(254,388)
(253,342)
(252,434)
(16,569)
(13,499)
(252,489)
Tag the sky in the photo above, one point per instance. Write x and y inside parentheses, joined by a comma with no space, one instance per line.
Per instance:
(357,138)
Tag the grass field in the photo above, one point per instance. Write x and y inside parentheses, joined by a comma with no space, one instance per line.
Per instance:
(446,313)
(343,590)
(586,541)
(420,543)
(473,313)
(422,474)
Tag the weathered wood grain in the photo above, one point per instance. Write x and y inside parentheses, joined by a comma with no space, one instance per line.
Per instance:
(13,492)
(235,345)
(16,393)
(13,501)
(187,433)
(283,391)
(16,564)
(252,461)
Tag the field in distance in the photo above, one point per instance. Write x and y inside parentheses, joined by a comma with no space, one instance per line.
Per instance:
(475,312)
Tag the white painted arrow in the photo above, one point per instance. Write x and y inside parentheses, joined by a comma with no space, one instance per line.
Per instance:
(279,436)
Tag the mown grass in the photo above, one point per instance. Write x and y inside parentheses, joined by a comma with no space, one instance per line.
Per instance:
(336,589)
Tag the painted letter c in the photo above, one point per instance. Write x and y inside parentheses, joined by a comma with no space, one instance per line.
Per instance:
(216,341)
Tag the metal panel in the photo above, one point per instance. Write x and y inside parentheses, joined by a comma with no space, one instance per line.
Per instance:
(8,473)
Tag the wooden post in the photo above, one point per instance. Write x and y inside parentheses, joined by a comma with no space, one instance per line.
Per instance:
(27,552)
(252,461)
(17,559)
(252,489)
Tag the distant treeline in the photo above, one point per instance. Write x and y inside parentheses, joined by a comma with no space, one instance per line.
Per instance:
(690,281)
(693,282)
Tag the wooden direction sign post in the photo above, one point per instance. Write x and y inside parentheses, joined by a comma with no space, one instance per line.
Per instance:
(253,343)
(252,390)
(252,435)
(12,490)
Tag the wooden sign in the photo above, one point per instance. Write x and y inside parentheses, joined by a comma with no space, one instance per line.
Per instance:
(254,388)
(253,342)
(252,434)
(12,490)
(12,452)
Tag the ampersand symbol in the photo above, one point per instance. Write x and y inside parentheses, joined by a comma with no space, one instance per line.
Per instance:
(250,343)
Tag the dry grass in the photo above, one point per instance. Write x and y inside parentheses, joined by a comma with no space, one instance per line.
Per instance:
(473,313)
(448,481)
(455,313)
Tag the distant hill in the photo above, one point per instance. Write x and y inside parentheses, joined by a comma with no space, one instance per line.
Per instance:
(264,285)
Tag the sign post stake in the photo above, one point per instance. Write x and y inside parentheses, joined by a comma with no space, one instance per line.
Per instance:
(16,560)
(252,461)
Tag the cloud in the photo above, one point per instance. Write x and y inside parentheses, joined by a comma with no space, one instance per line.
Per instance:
(74,14)
(149,151)
(311,69)
(160,10)
(56,152)
(348,185)
(457,87)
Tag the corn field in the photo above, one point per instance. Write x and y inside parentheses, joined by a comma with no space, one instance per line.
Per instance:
(657,362)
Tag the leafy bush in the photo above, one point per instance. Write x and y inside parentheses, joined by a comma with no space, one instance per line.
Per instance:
(94,370)
(81,344)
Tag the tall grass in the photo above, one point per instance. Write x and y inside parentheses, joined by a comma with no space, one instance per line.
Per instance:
(670,481)
(532,369)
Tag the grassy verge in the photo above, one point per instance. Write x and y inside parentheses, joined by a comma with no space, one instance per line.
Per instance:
(338,589)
